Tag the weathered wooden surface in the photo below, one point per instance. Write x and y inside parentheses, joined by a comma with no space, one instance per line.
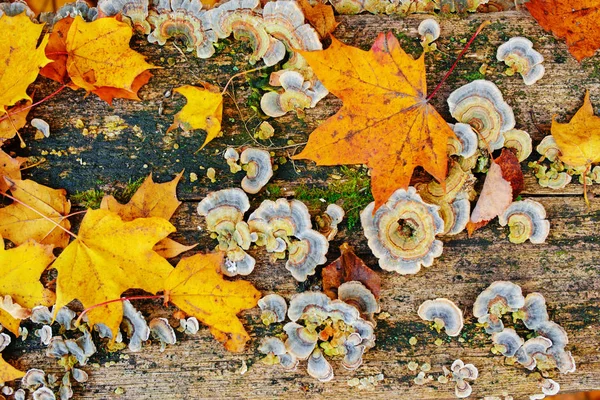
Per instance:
(565,270)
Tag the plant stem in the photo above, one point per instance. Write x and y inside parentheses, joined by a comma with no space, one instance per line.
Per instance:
(240,74)
(462,53)
(121,299)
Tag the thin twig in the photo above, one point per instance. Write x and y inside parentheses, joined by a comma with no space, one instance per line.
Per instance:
(240,74)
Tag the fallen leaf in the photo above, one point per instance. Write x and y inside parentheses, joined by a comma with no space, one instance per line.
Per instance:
(573,20)
(99,55)
(504,181)
(21,268)
(20,57)
(9,167)
(19,223)
(197,287)
(108,94)
(579,139)
(168,248)
(9,373)
(150,200)
(203,110)
(109,257)
(320,16)
(349,267)
(386,121)
(16,119)
(38,6)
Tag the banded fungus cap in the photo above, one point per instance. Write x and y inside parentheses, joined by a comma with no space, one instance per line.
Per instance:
(191,326)
(41,315)
(301,341)
(43,393)
(465,143)
(549,387)
(481,105)
(135,11)
(34,377)
(329,221)
(272,345)
(526,355)
(401,233)
(534,312)
(518,53)
(462,371)
(232,157)
(79,375)
(498,299)
(507,342)
(354,352)
(280,218)
(65,317)
(444,313)
(137,328)
(527,220)
(357,295)
(259,170)
(548,148)
(520,141)
(57,348)
(15,8)
(273,307)
(429,29)
(161,330)
(4,341)
(462,389)
(306,253)
(223,209)
(318,367)
(302,302)
(297,94)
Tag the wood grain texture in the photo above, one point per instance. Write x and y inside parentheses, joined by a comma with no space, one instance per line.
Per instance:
(565,269)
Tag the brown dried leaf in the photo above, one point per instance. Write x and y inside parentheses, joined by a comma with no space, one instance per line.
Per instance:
(349,267)
(320,16)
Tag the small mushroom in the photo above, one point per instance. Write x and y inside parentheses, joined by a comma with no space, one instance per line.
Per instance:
(232,157)
(534,311)
(526,220)
(462,372)
(318,367)
(306,253)
(65,317)
(296,95)
(41,315)
(258,169)
(273,347)
(444,313)
(273,308)
(329,220)
(79,375)
(45,334)
(57,348)
(182,18)
(526,355)
(506,342)
(33,378)
(7,390)
(549,387)
(191,326)
(481,105)
(74,9)
(161,330)
(19,394)
(354,352)
(15,8)
(558,336)
(401,233)
(519,55)
(134,11)
(357,295)
(302,302)
(135,325)
(43,393)
(548,148)
(4,341)
(41,126)
(82,348)
(65,391)
(105,332)
(465,143)
(520,141)
(301,341)
(429,30)
(498,299)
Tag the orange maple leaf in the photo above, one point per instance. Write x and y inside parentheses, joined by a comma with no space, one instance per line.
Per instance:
(386,121)
(15,120)
(573,20)
(320,16)
(197,287)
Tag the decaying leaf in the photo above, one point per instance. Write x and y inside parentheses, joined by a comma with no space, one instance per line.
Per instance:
(8,372)
(56,51)
(503,183)
(21,268)
(349,267)
(204,110)
(19,223)
(108,257)
(320,16)
(150,200)
(9,167)
(16,119)
(20,57)
(579,139)
(197,287)
(573,20)
(386,121)
(168,248)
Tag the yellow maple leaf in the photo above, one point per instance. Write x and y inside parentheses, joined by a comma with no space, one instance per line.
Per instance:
(150,200)
(203,110)
(109,257)
(99,55)
(197,287)
(386,121)
(21,268)
(169,248)
(15,120)
(8,372)
(9,167)
(579,139)
(20,57)
(18,222)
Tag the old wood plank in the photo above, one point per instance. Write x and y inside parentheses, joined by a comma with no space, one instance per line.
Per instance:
(565,269)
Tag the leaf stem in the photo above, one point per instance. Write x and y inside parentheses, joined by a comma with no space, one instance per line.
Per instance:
(462,53)
(240,74)
(120,299)
(51,95)
(585,196)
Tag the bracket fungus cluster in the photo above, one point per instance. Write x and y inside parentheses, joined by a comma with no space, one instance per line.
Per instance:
(444,314)
(404,7)
(328,222)
(544,351)
(134,12)
(461,374)
(296,95)
(402,232)
(526,220)
(320,327)
(256,163)
(481,105)
(519,55)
